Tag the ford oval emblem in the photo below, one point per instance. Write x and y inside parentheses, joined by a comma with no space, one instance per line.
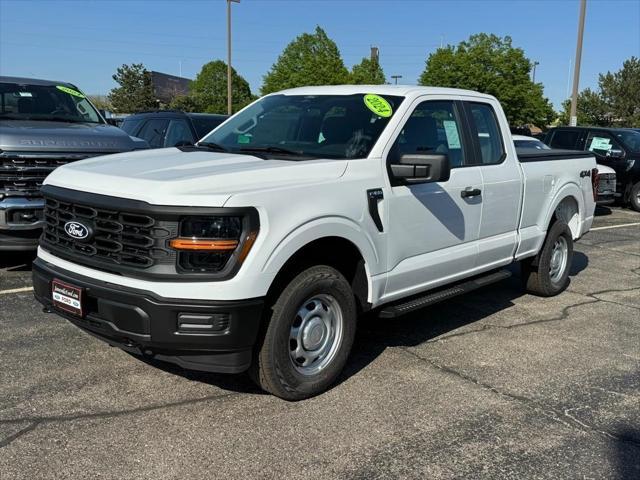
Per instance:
(77,230)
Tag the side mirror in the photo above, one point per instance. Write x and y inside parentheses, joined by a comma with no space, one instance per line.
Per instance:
(417,168)
(615,154)
(112,121)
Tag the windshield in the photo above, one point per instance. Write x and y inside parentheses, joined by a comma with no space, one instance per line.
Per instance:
(630,139)
(308,126)
(533,143)
(45,102)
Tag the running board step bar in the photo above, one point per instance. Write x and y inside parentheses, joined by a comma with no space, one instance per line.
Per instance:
(398,309)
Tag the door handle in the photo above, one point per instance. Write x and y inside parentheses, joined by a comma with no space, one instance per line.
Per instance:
(470,192)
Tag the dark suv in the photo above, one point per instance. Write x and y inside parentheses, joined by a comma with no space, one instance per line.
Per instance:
(618,148)
(171,128)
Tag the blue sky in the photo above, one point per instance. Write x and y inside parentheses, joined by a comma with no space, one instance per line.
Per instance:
(85,41)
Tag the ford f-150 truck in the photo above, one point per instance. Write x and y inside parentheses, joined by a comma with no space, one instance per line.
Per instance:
(44,124)
(257,248)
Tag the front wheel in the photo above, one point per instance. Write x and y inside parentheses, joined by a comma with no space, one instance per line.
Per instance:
(308,337)
(634,199)
(547,274)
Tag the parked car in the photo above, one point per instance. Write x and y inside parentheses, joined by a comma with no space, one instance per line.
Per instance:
(618,148)
(257,248)
(170,128)
(44,124)
(606,175)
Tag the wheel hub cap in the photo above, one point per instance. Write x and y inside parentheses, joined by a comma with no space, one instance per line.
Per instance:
(313,334)
(316,334)
(559,259)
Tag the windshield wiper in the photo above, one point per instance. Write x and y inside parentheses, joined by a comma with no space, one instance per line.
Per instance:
(274,150)
(211,146)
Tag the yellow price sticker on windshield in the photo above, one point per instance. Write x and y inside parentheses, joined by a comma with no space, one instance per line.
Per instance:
(70,91)
(378,105)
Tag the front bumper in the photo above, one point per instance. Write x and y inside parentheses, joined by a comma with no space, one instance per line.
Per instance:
(212,336)
(21,222)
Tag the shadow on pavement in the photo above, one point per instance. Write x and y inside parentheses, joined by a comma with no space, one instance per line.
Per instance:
(17,261)
(627,454)
(602,211)
(374,334)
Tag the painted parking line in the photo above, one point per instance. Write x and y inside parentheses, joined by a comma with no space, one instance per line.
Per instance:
(616,226)
(16,290)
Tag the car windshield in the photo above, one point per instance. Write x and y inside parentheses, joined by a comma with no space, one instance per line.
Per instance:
(630,138)
(533,143)
(45,102)
(301,127)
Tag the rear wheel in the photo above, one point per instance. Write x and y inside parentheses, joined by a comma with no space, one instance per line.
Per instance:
(547,274)
(309,336)
(634,198)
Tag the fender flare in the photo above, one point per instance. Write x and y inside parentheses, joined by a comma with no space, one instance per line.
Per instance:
(324,227)
(572,190)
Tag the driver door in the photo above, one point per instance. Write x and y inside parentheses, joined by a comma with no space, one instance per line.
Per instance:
(433,227)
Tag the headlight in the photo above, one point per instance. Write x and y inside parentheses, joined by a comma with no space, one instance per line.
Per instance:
(207,244)
(630,164)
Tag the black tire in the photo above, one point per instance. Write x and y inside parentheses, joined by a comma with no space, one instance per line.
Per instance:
(536,272)
(634,197)
(273,368)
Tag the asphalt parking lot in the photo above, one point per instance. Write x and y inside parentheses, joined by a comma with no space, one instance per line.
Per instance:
(495,384)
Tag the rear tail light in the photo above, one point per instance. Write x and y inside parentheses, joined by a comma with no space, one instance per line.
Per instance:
(595,180)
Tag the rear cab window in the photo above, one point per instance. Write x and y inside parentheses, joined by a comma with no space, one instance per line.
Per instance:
(486,132)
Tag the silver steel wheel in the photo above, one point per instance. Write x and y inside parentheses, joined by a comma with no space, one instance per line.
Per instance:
(316,334)
(559,259)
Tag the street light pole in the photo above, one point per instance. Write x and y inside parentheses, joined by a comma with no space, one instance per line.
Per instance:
(396,77)
(535,64)
(576,72)
(229,105)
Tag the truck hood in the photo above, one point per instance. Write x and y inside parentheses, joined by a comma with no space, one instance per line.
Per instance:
(34,136)
(170,176)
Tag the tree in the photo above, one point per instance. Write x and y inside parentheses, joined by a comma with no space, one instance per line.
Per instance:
(621,91)
(208,92)
(310,59)
(367,72)
(490,64)
(186,103)
(592,110)
(101,102)
(135,92)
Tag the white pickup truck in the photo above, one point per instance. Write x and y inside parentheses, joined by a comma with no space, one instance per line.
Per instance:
(257,248)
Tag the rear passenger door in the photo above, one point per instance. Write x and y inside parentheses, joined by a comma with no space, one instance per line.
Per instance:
(501,184)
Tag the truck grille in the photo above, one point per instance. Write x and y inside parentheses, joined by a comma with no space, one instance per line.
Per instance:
(119,239)
(607,183)
(22,173)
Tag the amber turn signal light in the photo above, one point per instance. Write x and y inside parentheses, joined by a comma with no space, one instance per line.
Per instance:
(200,244)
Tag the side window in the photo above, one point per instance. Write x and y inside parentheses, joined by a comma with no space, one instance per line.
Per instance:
(489,137)
(154,131)
(602,143)
(178,133)
(567,139)
(433,127)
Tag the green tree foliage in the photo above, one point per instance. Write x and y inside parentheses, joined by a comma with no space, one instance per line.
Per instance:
(310,59)
(490,64)
(101,102)
(592,110)
(186,103)
(621,91)
(367,72)
(208,92)
(135,92)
